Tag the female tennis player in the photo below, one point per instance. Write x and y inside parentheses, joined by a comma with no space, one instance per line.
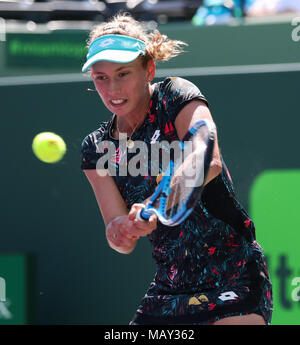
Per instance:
(210,269)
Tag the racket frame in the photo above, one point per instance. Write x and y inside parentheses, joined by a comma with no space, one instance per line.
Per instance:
(163,189)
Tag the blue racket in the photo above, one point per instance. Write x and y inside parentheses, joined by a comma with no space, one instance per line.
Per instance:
(183,181)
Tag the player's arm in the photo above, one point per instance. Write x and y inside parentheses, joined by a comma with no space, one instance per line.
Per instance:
(196,111)
(122,230)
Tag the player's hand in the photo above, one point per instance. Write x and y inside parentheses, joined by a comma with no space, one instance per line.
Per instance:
(140,228)
(123,231)
(118,235)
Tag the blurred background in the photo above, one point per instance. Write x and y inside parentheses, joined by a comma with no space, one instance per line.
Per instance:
(55,264)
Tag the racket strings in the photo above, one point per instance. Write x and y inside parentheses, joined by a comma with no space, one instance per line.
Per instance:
(189,172)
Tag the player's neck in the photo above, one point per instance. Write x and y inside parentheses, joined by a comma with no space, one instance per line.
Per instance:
(133,121)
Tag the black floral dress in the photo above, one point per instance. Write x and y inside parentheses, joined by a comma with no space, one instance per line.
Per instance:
(208,267)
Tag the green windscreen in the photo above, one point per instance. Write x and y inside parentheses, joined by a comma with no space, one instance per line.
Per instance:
(13,289)
(275,209)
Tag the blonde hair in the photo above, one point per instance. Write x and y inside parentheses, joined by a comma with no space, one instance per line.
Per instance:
(158,47)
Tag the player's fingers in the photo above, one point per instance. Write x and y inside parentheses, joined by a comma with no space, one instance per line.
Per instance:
(134,210)
(125,236)
(128,230)
(116,236)
(145,228)
(153,220)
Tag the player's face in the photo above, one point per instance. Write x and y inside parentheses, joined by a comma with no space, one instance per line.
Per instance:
(124,87)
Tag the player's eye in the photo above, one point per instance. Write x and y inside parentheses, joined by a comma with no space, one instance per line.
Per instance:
(123,74)
(101,77)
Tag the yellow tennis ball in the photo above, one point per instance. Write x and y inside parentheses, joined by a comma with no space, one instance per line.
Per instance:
(48,147)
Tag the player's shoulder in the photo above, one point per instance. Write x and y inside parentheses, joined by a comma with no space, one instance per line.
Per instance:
(174,92)
(177,84)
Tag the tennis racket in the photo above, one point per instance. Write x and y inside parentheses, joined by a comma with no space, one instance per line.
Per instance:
(183,181)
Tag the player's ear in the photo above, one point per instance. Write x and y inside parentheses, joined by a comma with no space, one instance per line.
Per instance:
(150,70)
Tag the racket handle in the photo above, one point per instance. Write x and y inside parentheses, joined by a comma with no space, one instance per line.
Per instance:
(142,215)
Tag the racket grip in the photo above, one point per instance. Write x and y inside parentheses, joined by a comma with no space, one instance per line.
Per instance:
(142,215)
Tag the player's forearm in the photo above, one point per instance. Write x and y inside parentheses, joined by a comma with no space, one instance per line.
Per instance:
(214,170)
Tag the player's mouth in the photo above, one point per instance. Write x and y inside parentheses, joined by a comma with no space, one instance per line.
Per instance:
(117,103)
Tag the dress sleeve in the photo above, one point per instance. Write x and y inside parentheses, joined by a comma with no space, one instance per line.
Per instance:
(177,92)
(89,154)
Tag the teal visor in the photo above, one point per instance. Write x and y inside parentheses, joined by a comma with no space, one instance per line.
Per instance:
(115,48)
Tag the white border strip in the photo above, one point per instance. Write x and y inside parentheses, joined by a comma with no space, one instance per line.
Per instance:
(160,73)
(225,70)
(43,79)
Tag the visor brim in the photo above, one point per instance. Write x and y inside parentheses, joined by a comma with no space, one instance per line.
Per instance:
(118,56)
